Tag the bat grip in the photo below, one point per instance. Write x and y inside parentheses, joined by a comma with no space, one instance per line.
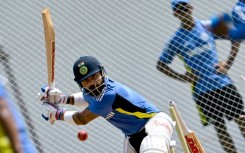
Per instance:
(52,85)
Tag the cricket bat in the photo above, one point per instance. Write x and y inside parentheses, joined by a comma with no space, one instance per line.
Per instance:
(190,137)
(179,130)
(50,47)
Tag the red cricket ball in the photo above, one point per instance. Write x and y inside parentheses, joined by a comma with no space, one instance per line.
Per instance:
(82,135)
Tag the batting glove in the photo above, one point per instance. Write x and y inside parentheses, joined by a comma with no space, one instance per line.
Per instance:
(54,96)
(51,112)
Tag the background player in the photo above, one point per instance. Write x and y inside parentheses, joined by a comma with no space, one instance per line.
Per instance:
(213,90)
(13,133)
(142,123)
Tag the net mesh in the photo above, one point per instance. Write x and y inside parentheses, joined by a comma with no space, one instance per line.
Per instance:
(127,37)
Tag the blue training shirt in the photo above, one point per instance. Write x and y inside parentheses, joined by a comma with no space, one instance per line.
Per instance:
(238,13)
(198,51)
(122,107)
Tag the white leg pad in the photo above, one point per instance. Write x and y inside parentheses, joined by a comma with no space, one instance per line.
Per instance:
(160,124)
(155,144)
(159,129)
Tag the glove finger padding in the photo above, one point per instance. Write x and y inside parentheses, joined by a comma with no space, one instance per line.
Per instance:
(49,111)
(42,95)
(54,92)
(53,96)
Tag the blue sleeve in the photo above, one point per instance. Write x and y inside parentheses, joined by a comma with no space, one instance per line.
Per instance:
(238,15)
(168,53)
(238,33)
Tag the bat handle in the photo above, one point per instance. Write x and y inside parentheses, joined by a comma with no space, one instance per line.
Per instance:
(52,85)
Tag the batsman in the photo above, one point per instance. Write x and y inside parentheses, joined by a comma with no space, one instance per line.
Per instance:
(146,128)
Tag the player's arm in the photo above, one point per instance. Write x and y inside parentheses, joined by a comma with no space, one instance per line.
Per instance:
(9,126)
(223,67)
(79,118)
(54,112)
(76,100)
(219,27)
(223,29)
(169,52)
(167,70)
(238,17)
(235,45)
(238,33)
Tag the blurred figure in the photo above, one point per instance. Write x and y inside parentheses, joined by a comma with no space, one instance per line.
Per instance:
(13,133)
(213,90)
(220,24)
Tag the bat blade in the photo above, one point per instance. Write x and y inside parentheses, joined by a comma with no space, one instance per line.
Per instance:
(190,137)
(50,44)
(179,130)
(193,143)
(50,47)
(180,119)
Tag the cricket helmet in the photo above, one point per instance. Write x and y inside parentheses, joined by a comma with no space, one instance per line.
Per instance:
(84,67)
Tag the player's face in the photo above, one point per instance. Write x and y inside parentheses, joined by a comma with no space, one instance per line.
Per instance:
(93,84)
(184,12)
(92,81)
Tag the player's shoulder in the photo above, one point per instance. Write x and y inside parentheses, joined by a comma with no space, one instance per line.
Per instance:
(116,85)
(121,88)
